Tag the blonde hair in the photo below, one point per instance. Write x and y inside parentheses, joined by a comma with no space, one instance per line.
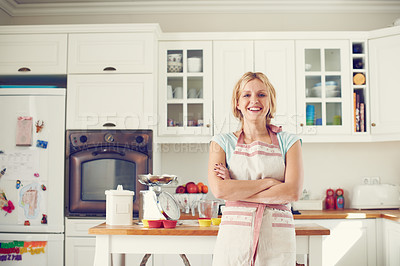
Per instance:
(237,90)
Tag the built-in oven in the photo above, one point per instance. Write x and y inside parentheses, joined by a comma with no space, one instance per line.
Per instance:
(100,160)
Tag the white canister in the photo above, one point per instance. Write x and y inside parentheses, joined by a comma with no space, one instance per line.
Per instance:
(119,206)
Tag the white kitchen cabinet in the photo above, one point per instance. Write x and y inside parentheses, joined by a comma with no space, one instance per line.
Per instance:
(391,242)
(323,87)
(80,246)
(274,58)
(231,60)
(111,53)
(351,241)
(119,101)
(185,91)
(384,56)
(33,54)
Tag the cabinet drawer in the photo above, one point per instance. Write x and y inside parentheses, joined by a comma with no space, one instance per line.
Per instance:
(111,53)
(119,101)
(33,54)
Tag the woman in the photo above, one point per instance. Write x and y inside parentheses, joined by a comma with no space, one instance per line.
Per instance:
(258,171)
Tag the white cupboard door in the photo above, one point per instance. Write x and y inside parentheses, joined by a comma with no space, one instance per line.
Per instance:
(391,242)
(276,60)
(111,53)
(33,54)
(231,60)
(351,241)
(323,88)
(185,91)
(385,92)
(120,101)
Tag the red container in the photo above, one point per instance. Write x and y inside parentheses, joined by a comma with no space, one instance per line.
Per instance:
(155,223)
(169,223)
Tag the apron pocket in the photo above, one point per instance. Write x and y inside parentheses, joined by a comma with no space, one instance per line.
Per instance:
(235,237)
(283,232)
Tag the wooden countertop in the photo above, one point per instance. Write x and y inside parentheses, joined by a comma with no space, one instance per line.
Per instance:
(393,215)
(189,228)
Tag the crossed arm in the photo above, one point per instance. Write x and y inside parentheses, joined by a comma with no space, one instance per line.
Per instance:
(267,190)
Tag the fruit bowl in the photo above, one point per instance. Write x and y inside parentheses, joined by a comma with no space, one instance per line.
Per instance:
(189,201)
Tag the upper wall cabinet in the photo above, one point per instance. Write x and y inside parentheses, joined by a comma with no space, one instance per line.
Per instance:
(323,88)
(120,101)
(231,60)
(33,54)
(274,58)
(111,53)
(385,90)
(185,91)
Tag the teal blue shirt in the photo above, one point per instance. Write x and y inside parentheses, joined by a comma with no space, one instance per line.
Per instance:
(228,141)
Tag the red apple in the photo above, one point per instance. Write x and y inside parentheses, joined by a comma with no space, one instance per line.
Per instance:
(180,190)
(192,188)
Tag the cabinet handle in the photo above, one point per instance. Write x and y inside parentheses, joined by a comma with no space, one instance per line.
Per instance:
(208,125)
(109,69)
(24,69)
(301,124)
(109,125)
(373,124)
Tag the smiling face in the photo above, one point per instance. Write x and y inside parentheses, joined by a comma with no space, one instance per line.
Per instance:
(254,97)
(254,101)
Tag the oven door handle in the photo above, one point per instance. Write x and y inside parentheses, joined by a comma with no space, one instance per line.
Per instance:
(95,153)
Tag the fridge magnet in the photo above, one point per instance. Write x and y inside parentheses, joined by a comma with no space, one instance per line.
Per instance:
(44,188)
(3,172)
(44,219)
(6,205)
(24,131)
(41,144)
(18,184)
(29,200)
(39,126)
(27,223)
(36,175)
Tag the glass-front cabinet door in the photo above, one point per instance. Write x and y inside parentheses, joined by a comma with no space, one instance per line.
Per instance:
(185,89)
(323,87)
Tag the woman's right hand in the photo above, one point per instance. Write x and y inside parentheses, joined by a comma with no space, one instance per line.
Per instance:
(221,171)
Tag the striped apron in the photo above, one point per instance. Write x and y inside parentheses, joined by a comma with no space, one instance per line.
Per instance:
(256,233)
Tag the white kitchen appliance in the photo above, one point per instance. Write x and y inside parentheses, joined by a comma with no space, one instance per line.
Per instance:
(377,196)
(154,203)
(32,126)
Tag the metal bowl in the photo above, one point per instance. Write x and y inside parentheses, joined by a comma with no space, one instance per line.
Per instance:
(156,180)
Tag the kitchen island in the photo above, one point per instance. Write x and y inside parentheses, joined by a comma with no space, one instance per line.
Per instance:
(187,238)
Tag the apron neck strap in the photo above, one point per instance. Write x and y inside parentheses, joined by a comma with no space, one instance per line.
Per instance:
(272,131)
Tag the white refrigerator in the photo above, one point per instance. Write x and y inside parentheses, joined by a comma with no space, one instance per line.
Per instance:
(32,130)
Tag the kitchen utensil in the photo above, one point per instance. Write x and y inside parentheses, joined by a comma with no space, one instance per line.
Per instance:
(189,202)
(154,203)
(204,222)
(215,221)
(208,209)
(119,206)
(169,223)
(170,94)
(194,64)
(155,223)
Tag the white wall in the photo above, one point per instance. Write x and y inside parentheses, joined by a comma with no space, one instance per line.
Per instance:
(327,165)
(230,22)
(4,18)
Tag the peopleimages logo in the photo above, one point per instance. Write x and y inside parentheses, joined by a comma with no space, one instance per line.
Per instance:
(292,123)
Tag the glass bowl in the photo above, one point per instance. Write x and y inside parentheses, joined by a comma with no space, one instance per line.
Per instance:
(189,201)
